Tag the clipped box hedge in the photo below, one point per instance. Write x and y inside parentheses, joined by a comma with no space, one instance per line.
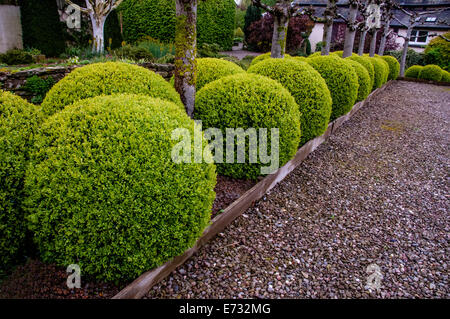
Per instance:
(342,81)
(394,67)
(413,71)
(19,121)
(307,87)
(430,72)
(211,69)
(105,79)
(365,62)
(365,84)
(381,71)
(103,191)
(265,56)
(250,101)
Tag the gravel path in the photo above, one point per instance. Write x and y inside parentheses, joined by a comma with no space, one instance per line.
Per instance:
(375,193)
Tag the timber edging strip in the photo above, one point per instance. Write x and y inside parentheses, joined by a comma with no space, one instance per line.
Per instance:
(140,286)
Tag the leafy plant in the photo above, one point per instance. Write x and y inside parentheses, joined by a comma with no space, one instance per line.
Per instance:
(134,53)
(210,69)
(412,57)
(413,71)
(38,87)
(430,72)
(16,56)
(438,52)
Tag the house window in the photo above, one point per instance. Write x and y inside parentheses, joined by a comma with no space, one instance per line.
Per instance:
(418,37)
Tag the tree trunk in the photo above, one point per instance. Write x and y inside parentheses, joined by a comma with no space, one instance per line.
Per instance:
(280,27)
(98,29)
(373,43)
(387,25)
(327,33)
(185,47)
(405,51)
(362,42)
(350,32)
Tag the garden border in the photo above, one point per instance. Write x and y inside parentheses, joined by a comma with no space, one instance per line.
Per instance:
(423,81)
(142,285)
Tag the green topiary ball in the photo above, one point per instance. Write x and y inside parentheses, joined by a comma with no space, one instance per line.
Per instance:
(365,62)
(19,122)
(385,69)
(307,87)
(250,101)
(413,71)
(364,81)
(381,71)
(315,54)
(431,72)
(445,76)
(265,56)
(394,67)
(342,81)
(104,192)
(106,79)
(210,69)
(338,53)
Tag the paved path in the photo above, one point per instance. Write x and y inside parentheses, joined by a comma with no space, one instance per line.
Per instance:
(376,193)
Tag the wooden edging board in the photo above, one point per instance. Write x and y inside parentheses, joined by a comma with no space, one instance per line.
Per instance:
(140,286)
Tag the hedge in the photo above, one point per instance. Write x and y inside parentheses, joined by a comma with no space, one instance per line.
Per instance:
(265,56)
(430,72)
(438,52)
(307,87)
(105,79)
(41,28)
(104,191)
(413,71)
(365,62)
(18,123)
(445,76)
(394,66)
(342,81)
(381,71)
(211,69)
(365,84)
(245,101)
(156,18)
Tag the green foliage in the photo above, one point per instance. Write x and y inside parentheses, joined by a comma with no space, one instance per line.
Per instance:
(134,53)
(308,89)
(239,18)
(18,124)
(431,72)
(412,57)
(103,191)
(206,50)
(38,87)
(365,62)
(394,66)
(252,14)
(381,71)
(365,83)
(265,56)
(156,18)
(342,81)
(385,72)
(445,76)
(105,79)
(238,33)
(157,48)
(250,101)
(210,69)
(236,61)
(438,52)
(41,28)
(413,71)
(112,34)
(16,56)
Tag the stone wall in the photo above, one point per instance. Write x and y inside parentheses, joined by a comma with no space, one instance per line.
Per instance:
(15,82)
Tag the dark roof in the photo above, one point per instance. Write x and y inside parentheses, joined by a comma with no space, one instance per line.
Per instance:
(414,3)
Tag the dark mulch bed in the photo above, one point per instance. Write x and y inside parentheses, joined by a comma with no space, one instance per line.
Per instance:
(35,279)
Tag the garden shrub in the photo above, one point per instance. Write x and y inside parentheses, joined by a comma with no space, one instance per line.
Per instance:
(315,54)
(412,57)
(236,61)
(438,52)
(105,79)
(245,101)
(430,72)
(445,76)
(413,71)
(156,18)
(18,124)
(365,62)
(104,193)
(394,67)
(385,69)
(381,71)
(308,89)
(342,81)
(365,84)
(265,56)
(16,56)
(210,69)
(134,53)
(38,87)
(41,27)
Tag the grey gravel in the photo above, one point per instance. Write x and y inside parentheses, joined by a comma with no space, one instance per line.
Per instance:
(377,192)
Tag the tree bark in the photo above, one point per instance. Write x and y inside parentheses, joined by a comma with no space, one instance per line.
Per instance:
(98,30)
(405,50)
(350,31)
(280,27)
(373,43)
(328,26)
(362,42)
(185,47)
(387,25)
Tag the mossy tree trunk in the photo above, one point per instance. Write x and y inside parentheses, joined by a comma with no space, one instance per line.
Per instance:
(373,42)
(186,47)
(362,42)
(329,15)
(405,50)
(280,27)
(350,31)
